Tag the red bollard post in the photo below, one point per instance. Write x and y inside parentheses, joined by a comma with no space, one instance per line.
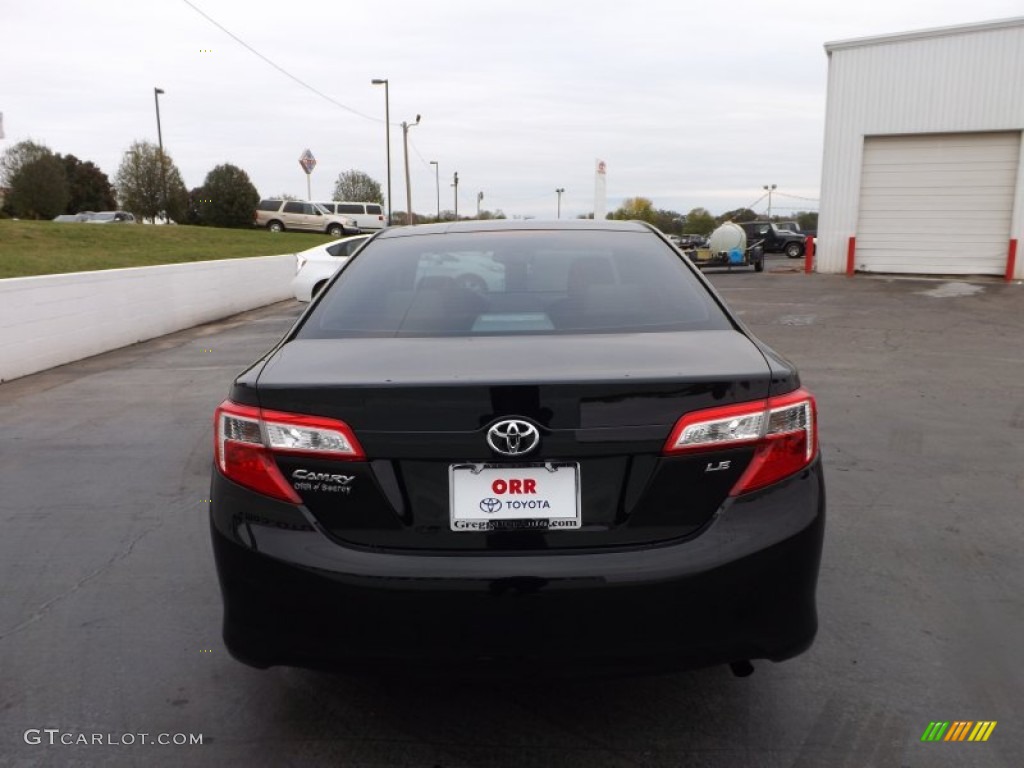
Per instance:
(809,255)
(1011,259)
(851,249)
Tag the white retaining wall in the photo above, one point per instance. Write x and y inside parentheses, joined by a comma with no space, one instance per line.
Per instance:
(50,320)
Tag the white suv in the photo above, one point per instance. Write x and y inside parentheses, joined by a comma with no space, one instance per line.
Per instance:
(369,217)
(279,215)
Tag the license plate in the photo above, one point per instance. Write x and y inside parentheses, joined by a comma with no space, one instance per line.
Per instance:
(492,497)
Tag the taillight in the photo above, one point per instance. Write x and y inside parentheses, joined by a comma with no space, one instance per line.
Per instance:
(783,431)
(246,439)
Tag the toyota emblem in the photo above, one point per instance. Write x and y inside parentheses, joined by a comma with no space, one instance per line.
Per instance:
(513,437)
(490,505)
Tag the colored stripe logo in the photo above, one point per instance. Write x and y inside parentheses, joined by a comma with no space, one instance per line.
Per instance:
(959,730)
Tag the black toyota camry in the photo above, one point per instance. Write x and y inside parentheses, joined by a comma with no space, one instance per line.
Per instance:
(518,446)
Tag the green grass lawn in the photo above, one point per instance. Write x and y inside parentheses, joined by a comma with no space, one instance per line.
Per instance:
(46,247)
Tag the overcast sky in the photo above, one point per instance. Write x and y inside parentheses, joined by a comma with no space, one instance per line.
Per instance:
(688,103)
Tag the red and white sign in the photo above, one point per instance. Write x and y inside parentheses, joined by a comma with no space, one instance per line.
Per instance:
(307,161)
(493,497)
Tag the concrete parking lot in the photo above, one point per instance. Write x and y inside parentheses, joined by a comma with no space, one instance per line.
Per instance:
(110,611)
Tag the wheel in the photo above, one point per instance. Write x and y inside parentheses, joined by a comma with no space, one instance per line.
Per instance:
(794,250)
(275,226)
(316,289)
(335,230)
(472,282)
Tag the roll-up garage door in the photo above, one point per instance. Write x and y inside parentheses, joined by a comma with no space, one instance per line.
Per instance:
(937,203)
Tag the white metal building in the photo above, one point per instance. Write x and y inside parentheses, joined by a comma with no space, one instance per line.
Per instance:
(924,163)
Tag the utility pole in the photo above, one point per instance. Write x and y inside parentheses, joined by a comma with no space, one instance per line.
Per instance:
(559,191)
(408,185)
(479,197)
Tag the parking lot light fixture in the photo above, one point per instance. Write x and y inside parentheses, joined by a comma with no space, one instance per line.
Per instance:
(455,184)
(163,164)
(387,133)
(770,188)
(437,183)
(559,192)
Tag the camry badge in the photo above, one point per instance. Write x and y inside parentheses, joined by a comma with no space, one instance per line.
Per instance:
(513,437)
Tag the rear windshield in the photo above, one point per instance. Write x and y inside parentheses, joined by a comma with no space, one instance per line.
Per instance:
(508,283)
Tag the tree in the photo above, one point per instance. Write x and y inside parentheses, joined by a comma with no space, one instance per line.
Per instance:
(808,221)
(285,196)
(227,198)
(13,160)
(357,187)
(635,208)
(39,190)
(140,183)
(18,155)
(699,222)
(737,215)
(668,221)
(89,189)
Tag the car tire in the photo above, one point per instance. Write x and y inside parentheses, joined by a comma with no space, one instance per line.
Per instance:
(275,226)
(336,230)
(794,250)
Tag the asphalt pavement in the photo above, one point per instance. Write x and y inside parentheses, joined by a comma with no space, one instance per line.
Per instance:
(110,611)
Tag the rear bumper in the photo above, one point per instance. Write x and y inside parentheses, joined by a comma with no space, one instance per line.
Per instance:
(742,589)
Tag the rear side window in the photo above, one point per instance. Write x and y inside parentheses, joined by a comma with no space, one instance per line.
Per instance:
(292,207)
(269,205)
(345,247)
(507,283)
(376,210)
(349,208)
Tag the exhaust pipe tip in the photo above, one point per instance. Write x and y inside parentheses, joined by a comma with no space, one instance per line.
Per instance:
(741,668)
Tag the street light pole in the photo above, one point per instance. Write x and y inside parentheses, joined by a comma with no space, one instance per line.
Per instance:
(437,183)
(560,190)
(455,184)
(479,198)
(387,133)
(408,185)
(160,139)
(770,188)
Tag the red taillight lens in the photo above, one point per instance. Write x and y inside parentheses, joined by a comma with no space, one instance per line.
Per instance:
(246,439)
(783,431)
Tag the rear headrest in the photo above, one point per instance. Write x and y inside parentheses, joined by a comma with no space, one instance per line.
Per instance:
(587,271)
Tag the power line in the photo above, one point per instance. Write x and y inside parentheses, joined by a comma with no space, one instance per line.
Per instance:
(797,197)
(417,151)
(751,206)
(280,69)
